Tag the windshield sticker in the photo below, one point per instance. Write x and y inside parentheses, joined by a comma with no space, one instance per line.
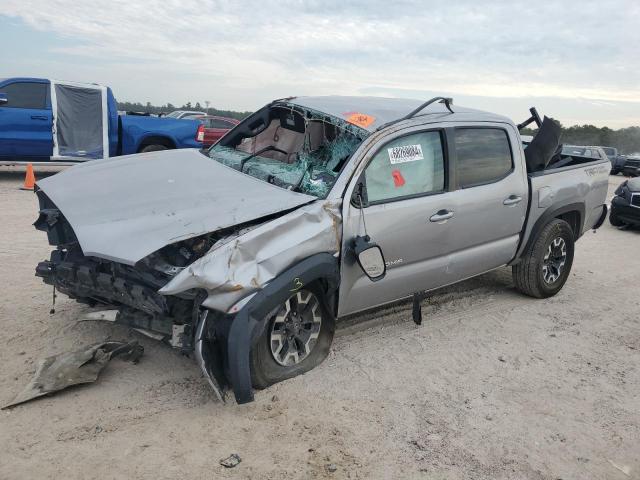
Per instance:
(405,153)
(359,119)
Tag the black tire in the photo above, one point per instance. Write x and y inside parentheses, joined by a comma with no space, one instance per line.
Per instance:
(265,370)
(615,221)
(614,172)
(530,275)
(154,148)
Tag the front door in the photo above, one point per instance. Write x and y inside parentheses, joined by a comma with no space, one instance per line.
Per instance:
(25,121)
(407,211)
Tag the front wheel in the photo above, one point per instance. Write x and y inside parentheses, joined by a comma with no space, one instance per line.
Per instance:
(545,267)
(297,338)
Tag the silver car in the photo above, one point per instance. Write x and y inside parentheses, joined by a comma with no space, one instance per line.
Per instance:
(311,209)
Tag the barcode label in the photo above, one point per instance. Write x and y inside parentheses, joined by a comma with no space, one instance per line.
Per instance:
(405,153)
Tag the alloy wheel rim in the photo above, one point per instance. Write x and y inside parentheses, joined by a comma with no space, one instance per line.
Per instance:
(295,329)
(554,260)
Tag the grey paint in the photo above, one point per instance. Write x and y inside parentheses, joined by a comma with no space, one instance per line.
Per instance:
(483,233)
(383,109)
(237,267)
(125,208)
(186,194)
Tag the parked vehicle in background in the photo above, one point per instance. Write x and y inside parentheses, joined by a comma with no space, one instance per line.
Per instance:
(577,151)
(617,160)
(312,209)
(631,166)
(625,205)
(45,120)
(213,128)
(179,114)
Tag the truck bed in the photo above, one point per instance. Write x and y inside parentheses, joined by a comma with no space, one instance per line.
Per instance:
(580,186)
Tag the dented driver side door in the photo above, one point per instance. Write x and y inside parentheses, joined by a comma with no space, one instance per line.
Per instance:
(407,209)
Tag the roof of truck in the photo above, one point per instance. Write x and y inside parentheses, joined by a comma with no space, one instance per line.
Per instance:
(372,112)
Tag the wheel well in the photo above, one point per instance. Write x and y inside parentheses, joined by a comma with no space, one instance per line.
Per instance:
(167,142)
(573,219)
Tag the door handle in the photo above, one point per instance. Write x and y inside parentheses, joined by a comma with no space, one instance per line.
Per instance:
(512,200)
(441,216)
(39,117)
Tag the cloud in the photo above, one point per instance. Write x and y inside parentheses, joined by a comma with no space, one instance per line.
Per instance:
(256,50)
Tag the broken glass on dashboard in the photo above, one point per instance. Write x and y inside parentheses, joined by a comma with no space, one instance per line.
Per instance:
(296,149)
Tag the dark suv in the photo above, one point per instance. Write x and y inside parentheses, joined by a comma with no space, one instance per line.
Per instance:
(625,205)
(631,166)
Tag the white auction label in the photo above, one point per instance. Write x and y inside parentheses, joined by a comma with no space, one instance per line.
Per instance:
(405,153)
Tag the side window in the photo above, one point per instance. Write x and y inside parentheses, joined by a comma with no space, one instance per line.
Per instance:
(217,123)
(411,165)
(483,155)
(26,95)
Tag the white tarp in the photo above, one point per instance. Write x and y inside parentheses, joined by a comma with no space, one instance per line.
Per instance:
(81,121)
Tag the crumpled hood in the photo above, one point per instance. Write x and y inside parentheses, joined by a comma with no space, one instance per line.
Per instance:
(126,208)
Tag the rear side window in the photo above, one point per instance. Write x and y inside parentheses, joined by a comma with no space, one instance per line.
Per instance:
(483,156)
(26,95)
(408,166)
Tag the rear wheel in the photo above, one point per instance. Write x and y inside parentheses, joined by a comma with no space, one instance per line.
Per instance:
(296,339)
(545,267)
(153,148)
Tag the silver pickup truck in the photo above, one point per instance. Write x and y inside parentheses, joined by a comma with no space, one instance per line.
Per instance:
(311,209)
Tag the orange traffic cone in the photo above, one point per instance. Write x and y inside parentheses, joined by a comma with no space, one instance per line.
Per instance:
(29,179)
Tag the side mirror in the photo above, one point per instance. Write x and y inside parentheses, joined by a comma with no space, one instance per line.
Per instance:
(3,98)
(370,258)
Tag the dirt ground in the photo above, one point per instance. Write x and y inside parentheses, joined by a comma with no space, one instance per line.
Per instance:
(493,385)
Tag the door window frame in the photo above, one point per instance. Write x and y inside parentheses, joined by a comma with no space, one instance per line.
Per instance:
(454,166)
(47,98)
(445,166)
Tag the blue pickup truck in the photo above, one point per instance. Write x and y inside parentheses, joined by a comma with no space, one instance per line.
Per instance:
(50,121)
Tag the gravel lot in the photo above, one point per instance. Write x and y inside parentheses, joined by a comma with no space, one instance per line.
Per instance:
(493,385)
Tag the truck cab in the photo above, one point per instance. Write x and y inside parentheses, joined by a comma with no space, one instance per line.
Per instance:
(25,119)
(45,121)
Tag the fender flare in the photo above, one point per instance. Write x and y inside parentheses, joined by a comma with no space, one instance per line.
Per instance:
(551,213)
(248,323)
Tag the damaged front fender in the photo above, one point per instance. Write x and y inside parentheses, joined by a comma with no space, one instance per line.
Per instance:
(234,269)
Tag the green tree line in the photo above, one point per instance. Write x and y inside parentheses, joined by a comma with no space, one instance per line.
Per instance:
(626,140)
(168,108)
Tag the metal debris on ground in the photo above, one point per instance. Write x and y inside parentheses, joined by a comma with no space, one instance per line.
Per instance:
(231,461)
(60,371)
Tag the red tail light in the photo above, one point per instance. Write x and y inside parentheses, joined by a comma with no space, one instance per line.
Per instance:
(200,134)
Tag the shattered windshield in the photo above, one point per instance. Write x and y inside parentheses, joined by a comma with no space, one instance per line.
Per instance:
(291,147)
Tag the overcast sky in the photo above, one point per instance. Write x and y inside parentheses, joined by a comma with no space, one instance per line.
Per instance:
(578,61)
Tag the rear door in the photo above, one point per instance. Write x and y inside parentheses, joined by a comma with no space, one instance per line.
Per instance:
(490,199)
(25,121)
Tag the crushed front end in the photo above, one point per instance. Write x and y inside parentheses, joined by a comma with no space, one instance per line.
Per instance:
(192,248)
(132,290)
